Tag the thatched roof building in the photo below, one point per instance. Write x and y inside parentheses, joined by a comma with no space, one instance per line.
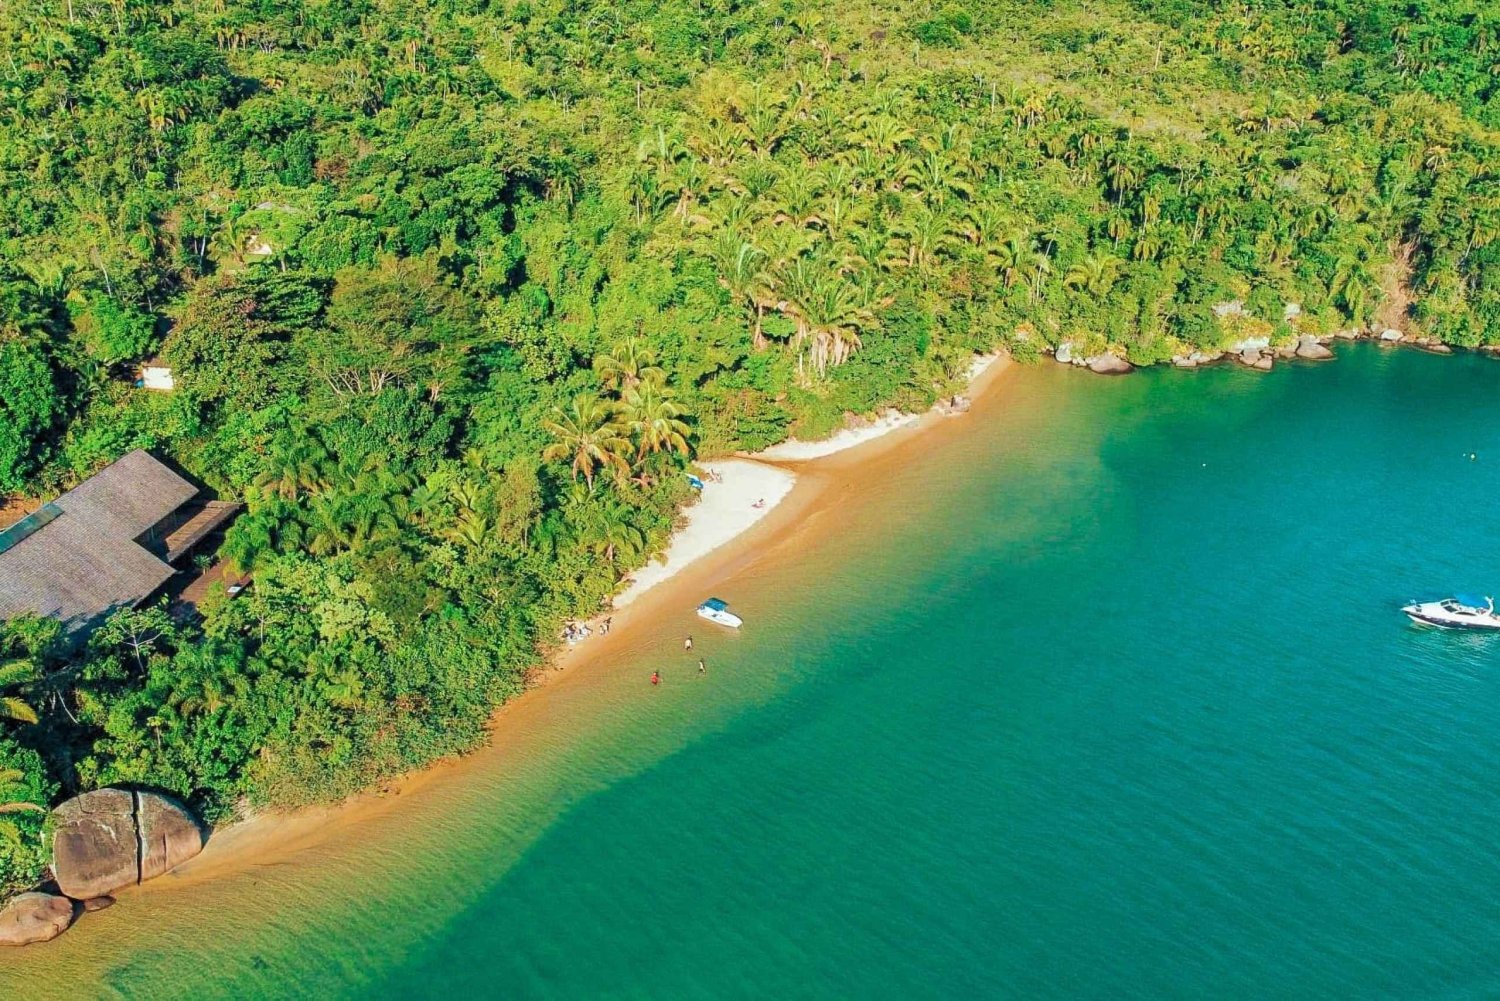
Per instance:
(104,545)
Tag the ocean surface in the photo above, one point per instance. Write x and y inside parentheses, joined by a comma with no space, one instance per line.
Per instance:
(1106,695)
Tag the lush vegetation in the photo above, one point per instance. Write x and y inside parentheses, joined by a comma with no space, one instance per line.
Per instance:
(453,289)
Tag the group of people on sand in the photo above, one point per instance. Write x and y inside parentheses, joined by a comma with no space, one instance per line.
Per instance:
(687,644)
(575,632)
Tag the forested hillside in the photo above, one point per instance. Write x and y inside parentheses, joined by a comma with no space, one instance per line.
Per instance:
(452,290)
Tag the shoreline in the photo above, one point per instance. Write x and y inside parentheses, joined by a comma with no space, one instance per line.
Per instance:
(273,837)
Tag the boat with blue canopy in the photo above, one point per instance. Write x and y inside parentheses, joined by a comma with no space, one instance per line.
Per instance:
(717,610)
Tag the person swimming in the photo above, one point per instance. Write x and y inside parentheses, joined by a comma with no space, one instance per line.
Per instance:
(702,668)
(656,677)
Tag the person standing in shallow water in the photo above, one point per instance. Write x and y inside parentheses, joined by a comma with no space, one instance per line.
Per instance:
(702,669)
(687,644)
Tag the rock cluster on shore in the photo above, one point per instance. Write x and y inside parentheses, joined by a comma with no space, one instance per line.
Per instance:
(1101,364)
(1257,353)
(103,841)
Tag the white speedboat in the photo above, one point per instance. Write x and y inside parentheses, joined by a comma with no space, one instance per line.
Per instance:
(1464,611)
(715,610)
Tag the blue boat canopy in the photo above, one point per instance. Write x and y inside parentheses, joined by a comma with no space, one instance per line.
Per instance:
(716,604)
(1472,600)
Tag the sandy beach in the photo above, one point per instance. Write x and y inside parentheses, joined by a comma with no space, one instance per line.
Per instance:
(722,535)
(736,494)
(741,491)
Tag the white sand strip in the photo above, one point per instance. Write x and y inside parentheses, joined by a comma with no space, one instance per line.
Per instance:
(793,450)
(981,364)
(724,510)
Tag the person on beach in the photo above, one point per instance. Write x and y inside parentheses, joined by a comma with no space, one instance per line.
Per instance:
(656,677)
(687,644)
(701,668)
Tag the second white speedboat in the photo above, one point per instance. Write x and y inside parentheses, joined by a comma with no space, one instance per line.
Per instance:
(1463,611)
(715,610)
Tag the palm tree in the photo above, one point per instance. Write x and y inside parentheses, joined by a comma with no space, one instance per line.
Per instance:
(204,681)
(13,674)
(632,362)
(799,189)
(1351,286)
(868,248)
(1123,175)
(827,313)
(295,471)
(1095,274)
(587,438)
(765,121)
(10,787)
(926,233)
(1014,257)
(610,533)
(881,132)
(228,241)
(257,534)
(986,223)
(742,275)
(470,529)
(327,530)
(654,420)
(939,179)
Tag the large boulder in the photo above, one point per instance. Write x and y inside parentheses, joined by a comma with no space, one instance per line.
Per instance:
(1064,352)
(1107,364)
(169,835)
(34,917)
(94,849)
(1391,335)
(1310,348)
(112,838)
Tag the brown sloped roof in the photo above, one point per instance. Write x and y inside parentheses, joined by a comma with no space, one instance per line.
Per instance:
(85,562)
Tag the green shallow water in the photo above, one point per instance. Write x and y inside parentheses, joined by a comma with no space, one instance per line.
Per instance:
(1107,697)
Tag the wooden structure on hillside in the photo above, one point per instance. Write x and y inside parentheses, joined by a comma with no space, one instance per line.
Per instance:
(109,543)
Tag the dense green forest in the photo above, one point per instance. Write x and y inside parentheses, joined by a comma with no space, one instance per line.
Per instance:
(454,289)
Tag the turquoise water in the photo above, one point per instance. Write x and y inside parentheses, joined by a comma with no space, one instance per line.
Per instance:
(1106,696)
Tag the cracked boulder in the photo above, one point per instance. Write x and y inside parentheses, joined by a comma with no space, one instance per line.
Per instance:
(94,848)
(169,834)
(112,838)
